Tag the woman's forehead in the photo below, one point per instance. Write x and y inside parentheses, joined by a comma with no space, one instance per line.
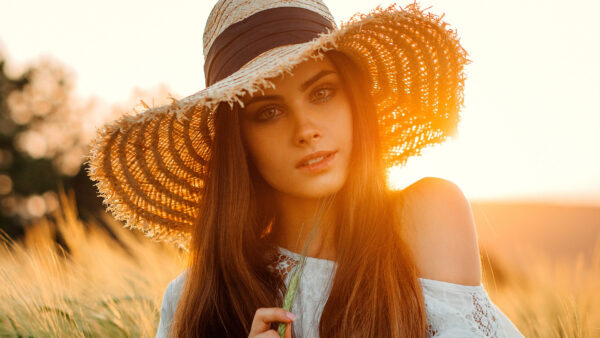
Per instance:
(300,75)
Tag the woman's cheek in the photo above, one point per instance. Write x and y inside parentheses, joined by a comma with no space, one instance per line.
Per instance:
(265,153)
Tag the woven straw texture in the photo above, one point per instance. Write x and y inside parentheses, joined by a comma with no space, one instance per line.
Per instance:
(150,166)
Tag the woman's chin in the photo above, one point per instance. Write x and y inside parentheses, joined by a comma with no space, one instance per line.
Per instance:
(319,188)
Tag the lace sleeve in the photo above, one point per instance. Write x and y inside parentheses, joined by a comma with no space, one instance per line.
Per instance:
(455,310)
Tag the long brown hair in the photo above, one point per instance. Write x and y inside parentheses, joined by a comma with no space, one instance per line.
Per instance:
(375,290)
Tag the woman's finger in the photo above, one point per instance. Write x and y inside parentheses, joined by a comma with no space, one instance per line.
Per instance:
(288,331)
(267,334)
(265,316)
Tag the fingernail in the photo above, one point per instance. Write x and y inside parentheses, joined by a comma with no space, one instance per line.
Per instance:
(291,315)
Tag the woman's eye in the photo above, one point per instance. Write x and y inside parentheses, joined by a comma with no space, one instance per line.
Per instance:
(323,94)
(268,113)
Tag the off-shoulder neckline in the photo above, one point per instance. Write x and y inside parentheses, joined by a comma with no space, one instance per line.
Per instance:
(314,260)
(446,285)
(429,282)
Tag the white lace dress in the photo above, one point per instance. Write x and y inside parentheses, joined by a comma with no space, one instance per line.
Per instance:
(453,310)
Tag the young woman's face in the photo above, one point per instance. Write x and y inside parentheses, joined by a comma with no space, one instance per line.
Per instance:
(304,114)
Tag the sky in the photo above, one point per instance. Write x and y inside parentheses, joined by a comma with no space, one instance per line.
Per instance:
(530,125)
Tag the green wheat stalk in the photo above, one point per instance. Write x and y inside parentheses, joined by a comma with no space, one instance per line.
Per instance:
(298,271)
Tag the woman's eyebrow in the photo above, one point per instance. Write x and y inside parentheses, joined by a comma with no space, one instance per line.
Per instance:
(263,98)
(302,88)
(314,79)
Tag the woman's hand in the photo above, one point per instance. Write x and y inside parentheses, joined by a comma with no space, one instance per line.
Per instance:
(261,324)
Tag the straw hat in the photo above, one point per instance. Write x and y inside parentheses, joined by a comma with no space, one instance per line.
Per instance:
(150,166)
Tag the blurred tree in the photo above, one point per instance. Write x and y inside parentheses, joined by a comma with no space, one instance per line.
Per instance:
(41,145)
(44,139)
(7,154)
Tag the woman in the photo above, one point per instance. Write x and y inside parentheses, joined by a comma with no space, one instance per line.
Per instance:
(286,148)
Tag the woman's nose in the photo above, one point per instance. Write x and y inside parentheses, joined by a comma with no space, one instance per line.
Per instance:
(306,131)
(308,137)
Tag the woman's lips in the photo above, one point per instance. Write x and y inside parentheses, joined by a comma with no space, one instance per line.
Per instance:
(323,164)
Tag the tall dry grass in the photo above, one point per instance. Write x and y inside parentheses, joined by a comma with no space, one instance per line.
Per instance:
(549,298)
(102,286)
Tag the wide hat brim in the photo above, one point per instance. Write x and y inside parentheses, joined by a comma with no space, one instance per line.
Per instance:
(151,166)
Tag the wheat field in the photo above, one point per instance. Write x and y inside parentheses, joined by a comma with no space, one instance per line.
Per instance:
(100,285)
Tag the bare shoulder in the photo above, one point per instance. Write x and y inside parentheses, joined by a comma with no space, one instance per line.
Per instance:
(438,226)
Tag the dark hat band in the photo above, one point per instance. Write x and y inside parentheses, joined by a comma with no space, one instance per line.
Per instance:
(258,33)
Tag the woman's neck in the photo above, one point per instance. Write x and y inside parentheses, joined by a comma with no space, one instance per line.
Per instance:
(296,218)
